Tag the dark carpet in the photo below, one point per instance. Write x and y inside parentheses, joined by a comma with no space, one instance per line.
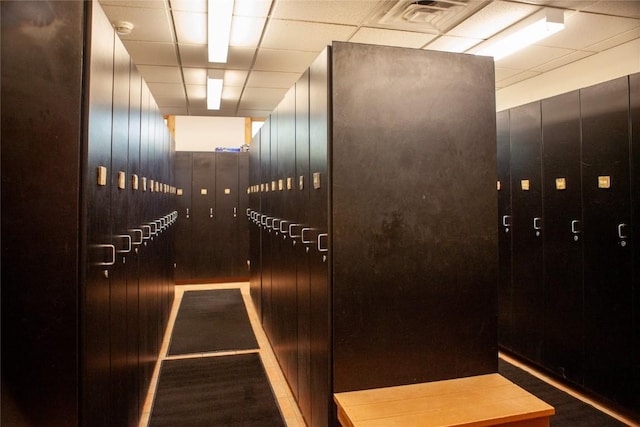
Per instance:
(570,412)
(214,391)
(214,320)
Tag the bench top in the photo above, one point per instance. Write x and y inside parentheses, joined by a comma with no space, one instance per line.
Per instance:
(472,401)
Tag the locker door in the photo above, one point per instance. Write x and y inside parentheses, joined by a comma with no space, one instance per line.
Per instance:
(226,214)
(101,255)
(133,223)
(526,190)
(607,250)
(203,219)
(301,190)
(562,201)
(634,84)
(240,267)
(255,263)
(265,204)
(318,222)
(504,237)
(120,235)
(184,239)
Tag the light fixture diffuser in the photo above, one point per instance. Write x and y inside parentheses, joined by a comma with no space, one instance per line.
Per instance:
(214,89)
(525,33)
(219,16)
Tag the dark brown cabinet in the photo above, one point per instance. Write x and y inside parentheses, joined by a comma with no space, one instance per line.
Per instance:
(374,242)
(87,271)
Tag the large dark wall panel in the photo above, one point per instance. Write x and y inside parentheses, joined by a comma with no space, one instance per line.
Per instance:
(634,89)
(183,239)
(363,255)
(204,211)
(76,328)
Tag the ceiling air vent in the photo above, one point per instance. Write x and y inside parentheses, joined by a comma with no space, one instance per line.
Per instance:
(431,16)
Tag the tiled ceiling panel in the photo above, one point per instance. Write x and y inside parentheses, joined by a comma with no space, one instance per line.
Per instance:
(274,41)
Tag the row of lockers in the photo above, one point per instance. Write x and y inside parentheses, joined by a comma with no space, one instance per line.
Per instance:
(569,196)
(87,222)
(212,242)
(367,268)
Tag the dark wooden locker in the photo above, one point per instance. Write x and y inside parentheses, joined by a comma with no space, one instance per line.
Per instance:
(317,223)
(121,237)
(203,217)
(101,253)
(414,233)
(265,242)
(255,262)
(301,184)
(634,88)
(183,234)
(527,230)
(562,203)
(227,216)
(42,107)
(505,285)
(241,268)
(132,184)
(608,292)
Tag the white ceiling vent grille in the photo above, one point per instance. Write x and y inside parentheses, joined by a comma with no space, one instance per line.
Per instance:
(431,16)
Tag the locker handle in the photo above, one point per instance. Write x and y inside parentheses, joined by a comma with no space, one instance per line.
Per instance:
(506,220)
(304,230)
(136,232)
(113,254)
(283,227)
(621,233)
(320,247)
(537,223)
(159,226)
(275,226)
(235,212)
(127,238)
(248,212)
(147,228)
(187,215)
(575,226)
(263,220)
(153,230)
(291,228)
(210,212)
(269,222)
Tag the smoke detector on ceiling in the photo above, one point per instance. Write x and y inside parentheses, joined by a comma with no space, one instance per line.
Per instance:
(123,28)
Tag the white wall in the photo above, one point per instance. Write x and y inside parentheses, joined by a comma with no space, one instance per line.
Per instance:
(195,133)
(601,67)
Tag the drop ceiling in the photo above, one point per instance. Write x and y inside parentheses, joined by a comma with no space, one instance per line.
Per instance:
(280,38)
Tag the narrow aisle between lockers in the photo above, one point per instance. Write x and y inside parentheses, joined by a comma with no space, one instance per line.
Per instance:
(281,391)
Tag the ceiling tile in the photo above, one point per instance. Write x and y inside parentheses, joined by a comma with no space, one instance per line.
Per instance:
(505,73)
(272,79)
(151,25)
(629,8)
(452,44)
(196,92)
(257,8)
(563,60)
(174,111)
(149,4)
(167,90)
(235,77)
(160,74)
(345,12)
(492,19)
(287,35)
(254,113)
(517,78)
(615,40)
(149,53)
(246,31)
(194,76)
(283,60)
(600,27)
(531,57)
(189,5)
(191,27)
(391,37)
(231,94)
(261,98)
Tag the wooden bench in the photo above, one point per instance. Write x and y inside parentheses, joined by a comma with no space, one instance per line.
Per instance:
(484,400)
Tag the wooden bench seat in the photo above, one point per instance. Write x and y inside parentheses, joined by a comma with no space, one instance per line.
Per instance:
(483,400)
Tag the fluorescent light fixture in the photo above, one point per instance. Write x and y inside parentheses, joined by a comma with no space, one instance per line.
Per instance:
(525,33)
(219,14)
(214,89)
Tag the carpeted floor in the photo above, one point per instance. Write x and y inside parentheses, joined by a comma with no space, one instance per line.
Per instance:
(209,321)
(570,412)
(214,391)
